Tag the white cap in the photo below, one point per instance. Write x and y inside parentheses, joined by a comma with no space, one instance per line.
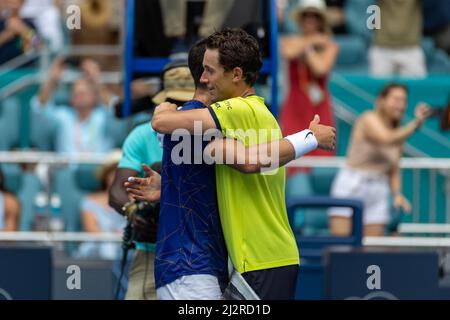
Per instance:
(312,4)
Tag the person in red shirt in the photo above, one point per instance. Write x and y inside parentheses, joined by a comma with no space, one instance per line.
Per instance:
(311,57)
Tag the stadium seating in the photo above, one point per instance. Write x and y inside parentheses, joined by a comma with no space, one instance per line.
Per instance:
(298,185)
(9,123)
(65,184)
(31,186)
(352,56)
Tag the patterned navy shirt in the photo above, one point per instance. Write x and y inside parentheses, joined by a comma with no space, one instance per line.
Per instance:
(190,239)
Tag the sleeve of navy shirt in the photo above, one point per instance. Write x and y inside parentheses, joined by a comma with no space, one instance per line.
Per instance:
(193,104)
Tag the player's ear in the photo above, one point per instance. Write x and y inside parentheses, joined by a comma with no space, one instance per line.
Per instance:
(238,74)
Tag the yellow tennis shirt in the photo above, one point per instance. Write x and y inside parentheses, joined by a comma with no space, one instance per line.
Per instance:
(252,206)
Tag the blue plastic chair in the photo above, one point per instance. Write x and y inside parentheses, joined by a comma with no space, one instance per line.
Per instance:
(310,282)
(9,123)
(298,186)
(30,187)
(352,57)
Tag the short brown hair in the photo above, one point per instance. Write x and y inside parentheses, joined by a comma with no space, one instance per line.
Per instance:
(387,90)
(389,87)
(237,49)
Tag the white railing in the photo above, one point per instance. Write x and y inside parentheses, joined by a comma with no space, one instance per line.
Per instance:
(436,166)
(51,158)
(405,163)
(412,242)
(310,162)
(51,237)
(416,164)
(57,237)
(424,228)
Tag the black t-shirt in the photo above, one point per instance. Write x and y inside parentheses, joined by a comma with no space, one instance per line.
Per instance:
(12,48)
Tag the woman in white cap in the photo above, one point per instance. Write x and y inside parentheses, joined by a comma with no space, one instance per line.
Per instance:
(311,56)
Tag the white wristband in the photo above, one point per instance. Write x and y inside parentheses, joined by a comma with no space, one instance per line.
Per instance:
(303,142)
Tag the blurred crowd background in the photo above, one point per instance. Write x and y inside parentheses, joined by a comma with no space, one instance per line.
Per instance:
(62,92)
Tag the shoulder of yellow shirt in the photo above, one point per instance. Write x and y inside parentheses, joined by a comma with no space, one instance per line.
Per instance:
(237,102)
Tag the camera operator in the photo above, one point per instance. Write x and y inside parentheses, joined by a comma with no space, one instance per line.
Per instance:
(140,232)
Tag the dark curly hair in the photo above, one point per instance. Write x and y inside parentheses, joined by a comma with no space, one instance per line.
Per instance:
(237,49)
(389,87)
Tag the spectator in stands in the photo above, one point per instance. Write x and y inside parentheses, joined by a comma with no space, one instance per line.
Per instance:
(445,119)
(17,35)
(336,15)
(174,18)
(396,48)
(311,58)
(373,163)
(356,18)
(47,19)
(436,14)
(9,208)
(97,216)
(284,27)
(100,26)
(81,127)
(443,114)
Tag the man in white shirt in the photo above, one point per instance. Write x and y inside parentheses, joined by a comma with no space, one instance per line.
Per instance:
(81,127)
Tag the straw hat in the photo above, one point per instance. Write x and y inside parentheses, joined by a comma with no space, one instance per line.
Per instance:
(312,6)
(178,83)
(96,13)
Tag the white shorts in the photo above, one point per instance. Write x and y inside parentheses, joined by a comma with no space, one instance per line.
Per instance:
(408,62)
(371,189)
(194,287)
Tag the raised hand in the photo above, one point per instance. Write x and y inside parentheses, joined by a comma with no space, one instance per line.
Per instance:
(57,69)
(91,70)
(17,26)
(422,112)
(325,135)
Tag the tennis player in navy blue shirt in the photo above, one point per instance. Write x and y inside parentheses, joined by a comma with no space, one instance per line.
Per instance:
(191,257)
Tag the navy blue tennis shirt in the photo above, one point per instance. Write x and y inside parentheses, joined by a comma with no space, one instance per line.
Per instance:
(190,239)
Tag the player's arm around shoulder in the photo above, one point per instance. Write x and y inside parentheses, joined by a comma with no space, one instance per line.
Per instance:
(249,159)
(167,118)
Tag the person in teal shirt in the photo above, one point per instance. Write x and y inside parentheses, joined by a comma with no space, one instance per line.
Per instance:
(140,147)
